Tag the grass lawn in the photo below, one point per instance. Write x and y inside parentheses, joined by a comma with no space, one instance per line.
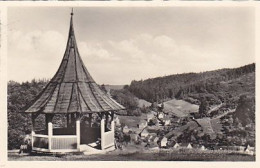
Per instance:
(180,108)
(163,155)
(132,121)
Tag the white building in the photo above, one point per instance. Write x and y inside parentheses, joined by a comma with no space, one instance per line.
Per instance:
(160,115)
(189,146)
(142,124)
(202,148)
(164,142)
(166,121)
(176,145)
(144,133)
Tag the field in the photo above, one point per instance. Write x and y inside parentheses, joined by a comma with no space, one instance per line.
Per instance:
(148,155)
(131,121)
(180,108)
(216,125)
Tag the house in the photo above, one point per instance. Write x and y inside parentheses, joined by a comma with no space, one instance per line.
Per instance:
(150,116)
(164,142)
(144,133)
(166,121)
(160,115)
(186,146)
(202,148)
(142,124)
(156,139)
(126,129)
(189,146)
(176,145)
(241,148)
(249,150)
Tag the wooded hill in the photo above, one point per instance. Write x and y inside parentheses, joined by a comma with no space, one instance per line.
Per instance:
(216,85)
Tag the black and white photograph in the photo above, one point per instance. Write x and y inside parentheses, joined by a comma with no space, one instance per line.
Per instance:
(160,83)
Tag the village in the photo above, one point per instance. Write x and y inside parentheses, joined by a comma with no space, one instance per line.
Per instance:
(148,132)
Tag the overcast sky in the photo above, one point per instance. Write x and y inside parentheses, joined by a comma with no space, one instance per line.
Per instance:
(119,45)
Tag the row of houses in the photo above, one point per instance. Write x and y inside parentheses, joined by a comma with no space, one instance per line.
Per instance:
(161,118)
(141,132)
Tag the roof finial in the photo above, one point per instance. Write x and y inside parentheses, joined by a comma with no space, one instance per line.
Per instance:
(71,12)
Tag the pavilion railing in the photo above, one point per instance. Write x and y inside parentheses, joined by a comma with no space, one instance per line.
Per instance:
(69,143)
(107,138)
(63,142)
(54,143)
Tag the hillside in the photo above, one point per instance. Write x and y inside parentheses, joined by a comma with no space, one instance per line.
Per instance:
(114,87)
(216,85)
(226,100)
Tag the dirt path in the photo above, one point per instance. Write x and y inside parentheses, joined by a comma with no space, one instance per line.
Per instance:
(225,113)
(215,108)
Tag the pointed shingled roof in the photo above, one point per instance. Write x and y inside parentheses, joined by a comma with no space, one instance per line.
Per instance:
(72,89)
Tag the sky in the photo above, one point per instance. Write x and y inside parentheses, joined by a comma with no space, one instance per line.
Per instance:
(121,44)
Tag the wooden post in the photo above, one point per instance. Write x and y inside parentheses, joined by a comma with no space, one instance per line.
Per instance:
(106,122)
(90,119)
(73,119)
(68,120)
(102,129)
(78,131)
(48,120)
(46,123)
(112,115)
(112,126)
(33,127)
(50,133)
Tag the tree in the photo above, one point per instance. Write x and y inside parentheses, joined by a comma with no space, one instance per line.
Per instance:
(204,107)
(245,111)
(19,96)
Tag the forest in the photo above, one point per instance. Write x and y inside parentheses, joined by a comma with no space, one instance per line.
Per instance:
(215,85)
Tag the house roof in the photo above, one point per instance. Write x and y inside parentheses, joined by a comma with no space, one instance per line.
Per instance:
(166,118)
(164,138)
(72,89)
(186,144)
(144,131)
(142,122)
(150,115)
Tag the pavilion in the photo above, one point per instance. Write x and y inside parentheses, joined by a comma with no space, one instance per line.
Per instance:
(74,95)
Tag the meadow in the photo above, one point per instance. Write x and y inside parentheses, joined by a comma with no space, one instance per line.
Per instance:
(148,155)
